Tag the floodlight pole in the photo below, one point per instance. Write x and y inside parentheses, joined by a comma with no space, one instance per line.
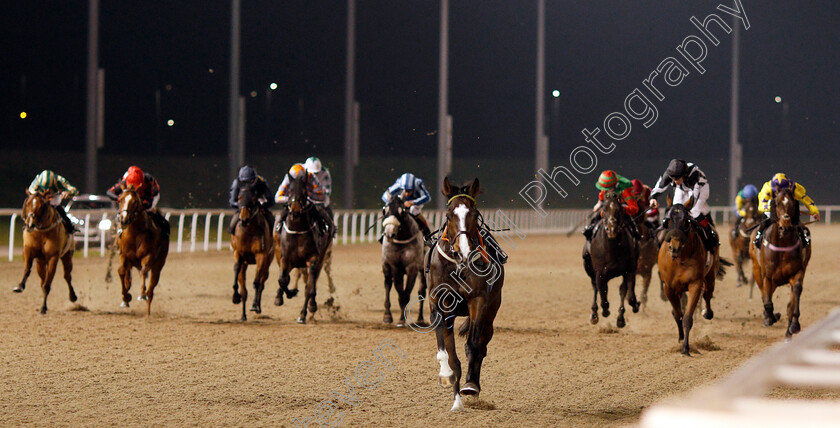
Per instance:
(735,161)
(350,149)
(234,133)
(541,154)
(91,163)
(444,147)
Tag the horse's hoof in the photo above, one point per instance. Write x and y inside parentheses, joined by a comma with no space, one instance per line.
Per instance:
(457,405)
(794,327)
(237,299)
(593,319)
(470,388)
(387,319)
(635,306)
(141,297)
(778,316)
(73,297)
(43,310)
(255,308)
(291,292)
(708,314)
(447,381)
(620,322)
(18,288)
(605,313)
(401,323)
(313,306)
(685,353)
(278,301)
(301,320)
(243,319)
(124,304)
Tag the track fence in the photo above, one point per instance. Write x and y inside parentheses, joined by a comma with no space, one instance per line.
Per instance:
(206,229)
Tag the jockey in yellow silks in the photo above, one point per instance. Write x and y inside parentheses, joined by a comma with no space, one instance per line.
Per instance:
(768,193)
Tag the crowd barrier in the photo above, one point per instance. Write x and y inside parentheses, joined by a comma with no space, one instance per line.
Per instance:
(206,229)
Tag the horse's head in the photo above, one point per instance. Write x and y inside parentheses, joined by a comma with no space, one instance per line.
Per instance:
(612,212)
(298,193)
(130,204)
(247,202)
(751,212)
(680,223)
(462,216)
(34,208)
(785,209)
(394,214)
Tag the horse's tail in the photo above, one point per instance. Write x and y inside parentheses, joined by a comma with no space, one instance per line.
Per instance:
(721,271)
(465,327)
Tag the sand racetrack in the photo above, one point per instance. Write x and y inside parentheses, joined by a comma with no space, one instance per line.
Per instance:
(193,363)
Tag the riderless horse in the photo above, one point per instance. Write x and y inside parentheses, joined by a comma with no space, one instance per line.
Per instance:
(781,260)
(296,246)
(684,268)
(463,281)
(739,240)
(402,258)
(46,240)
(143,245)
(251,243)
(612,252)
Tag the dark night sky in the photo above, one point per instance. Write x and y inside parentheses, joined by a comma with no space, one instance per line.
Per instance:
(597,52)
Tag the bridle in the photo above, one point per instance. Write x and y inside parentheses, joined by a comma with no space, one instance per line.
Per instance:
(397,219)
(305,207)
(36,219)
(477,243)
(130,215)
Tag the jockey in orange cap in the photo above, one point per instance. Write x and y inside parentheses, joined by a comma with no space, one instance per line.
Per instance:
(316,194)
(147,188)
(610,181)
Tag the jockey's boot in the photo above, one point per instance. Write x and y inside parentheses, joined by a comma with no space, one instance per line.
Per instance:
(804,235)
(494,250)
(282,219)
(424,227)
(233,222)
(67,223)
(590,228)
(161,222)
(761,227)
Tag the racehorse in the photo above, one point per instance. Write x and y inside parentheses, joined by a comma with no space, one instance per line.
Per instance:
(463,281)
(402,258)
(612,252)
(251,243)
(684,269)
(46,240)
(295,246)
(782,259)
(648,254)
(143,245)
(739,240)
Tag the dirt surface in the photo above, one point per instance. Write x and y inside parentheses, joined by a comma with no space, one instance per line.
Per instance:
(193,363)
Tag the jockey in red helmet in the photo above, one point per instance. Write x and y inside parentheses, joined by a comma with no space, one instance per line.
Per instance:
(147,188)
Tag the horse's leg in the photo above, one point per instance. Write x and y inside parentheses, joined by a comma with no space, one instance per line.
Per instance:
(236,267)
(480,333)
(676,309)
(399,286)
(154,278)
(46,281)
(708,293)
(144,274)
(602,282)
(283,284)
(405,296)
(645,285)
(593,319)
(662,288)
(259,279)
(767,289)
(694,291)
(328,269)
(739,266)
(622,292)
(67,263)
(124,272)
(27,269)
(388,271)
(630,278)
(313,273)
(422,294)
(450,366)
(243,288)
(793,306)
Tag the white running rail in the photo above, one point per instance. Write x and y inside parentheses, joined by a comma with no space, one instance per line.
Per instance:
(810,360)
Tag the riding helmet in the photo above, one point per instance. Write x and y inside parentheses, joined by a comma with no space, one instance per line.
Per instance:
(134,177)
(607,180)
(407,181)
(296,170)
(312,165)
(750,191)
(677,168)
(246,173)
(780,181)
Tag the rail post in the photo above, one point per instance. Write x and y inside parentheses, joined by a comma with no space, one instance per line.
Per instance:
(12,237)
(193,226)
(85,238)
(180,231)
(219,232)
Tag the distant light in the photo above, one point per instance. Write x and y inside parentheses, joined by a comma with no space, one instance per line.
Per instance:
(555,93)
(168,87)
(211,71)
(253,94)
(778,99)
(273,86)
(23,115)
(105,224)
(170,122)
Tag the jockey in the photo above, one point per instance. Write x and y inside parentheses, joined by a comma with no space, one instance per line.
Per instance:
(55,188)
(414,191)
(147,188)
(249,178)
(642,193)
(689,184)
(748,193)
(768,193)
(317,193)
(610,181)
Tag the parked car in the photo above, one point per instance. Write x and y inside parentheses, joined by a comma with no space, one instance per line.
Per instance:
(95,205)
